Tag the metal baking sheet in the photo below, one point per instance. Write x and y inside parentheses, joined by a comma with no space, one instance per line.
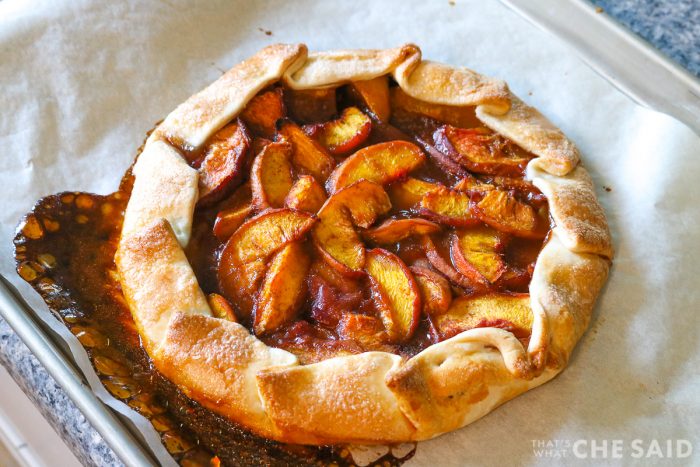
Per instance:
(59,364)
(623,59)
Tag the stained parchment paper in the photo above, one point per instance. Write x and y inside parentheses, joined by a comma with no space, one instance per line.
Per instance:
(82,82)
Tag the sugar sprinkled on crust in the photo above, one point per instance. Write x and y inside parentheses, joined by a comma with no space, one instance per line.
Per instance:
(527,127)
(375,397)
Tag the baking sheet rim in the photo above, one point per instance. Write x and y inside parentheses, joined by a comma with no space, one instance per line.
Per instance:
(36,332)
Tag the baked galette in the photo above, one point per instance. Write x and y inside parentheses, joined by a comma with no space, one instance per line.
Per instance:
(359,246)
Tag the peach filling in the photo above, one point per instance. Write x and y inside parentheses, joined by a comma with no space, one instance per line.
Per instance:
(353,219)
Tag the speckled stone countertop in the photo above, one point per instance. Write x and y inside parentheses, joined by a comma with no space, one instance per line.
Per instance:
(673,26)
(87,445)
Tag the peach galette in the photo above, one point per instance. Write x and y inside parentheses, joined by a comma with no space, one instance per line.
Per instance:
(359,246)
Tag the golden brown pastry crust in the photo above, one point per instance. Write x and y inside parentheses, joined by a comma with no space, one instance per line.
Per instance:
(455,382)
(157,281)
(216,362)
(375,397)
(165,187)
(441,84)
(333,68)
(527,127)
(195,120)
(336,400)
(578,218)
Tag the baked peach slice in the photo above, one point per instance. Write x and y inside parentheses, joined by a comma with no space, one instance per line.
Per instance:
(229,220)
(449,207)
(242,261)
(480,150)
(470,184)
(511,312)
(375,94)
(476,254)
(232,212)
(220,307)
(382,131)
(264,234)
(308,156)
(223,165)
(380,163)
(271,176)
(502,211)
(438,261)
(311,105)
(283,289)
(367,330)
(523,187)
(263,111)
(396,293)
(360,205)
(240,284)
(460,116)
(306,195)
(407,194)
(441,160)
(515,278)
(259,144)
(395,230)
(435,290)
(350,290)
(343,134)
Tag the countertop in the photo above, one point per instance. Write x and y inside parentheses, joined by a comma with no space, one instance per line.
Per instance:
(673,26)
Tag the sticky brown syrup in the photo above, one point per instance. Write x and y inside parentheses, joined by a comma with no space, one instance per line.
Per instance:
(65,249)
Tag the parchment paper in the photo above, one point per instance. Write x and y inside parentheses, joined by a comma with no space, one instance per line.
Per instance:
(83,81)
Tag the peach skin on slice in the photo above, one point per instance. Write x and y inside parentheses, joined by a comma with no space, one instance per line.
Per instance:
(233,212)
(345,133)
(271,176)
(520,185)
(395,230)
(448,207)
(396,292)
(306,195)
(407,194)
(220,307)
(437,260)
(502,211)
(223,164)
(308,156)
(242,261)
(229,220)
(335,236)
(259,144)
(511,312)
(263,111)
(514,279)
(476,254)
(375,94)
(380,163)
(283,288)
(441,160)
(481,150)
(435,291)
(311,105)
(240,284)
(264,234)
